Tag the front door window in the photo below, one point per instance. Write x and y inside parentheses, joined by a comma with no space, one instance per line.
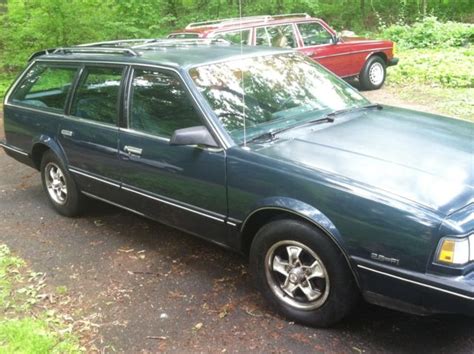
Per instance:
(314,33)
(160,104)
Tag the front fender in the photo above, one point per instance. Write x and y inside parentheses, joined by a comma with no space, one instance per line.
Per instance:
(304,211)
(299,208)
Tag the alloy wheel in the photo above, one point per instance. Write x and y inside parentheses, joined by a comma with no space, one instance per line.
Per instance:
(296,275)
(56,183)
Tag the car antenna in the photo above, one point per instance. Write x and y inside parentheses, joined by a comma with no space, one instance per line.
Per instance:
(242,74)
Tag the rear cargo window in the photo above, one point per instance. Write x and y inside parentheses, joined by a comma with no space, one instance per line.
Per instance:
(45,86)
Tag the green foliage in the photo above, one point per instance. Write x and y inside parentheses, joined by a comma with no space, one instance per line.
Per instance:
(9,269)
(33,336)
(22,329)
(446,67)
(430,33)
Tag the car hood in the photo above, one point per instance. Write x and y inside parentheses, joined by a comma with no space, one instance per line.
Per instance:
(424,158)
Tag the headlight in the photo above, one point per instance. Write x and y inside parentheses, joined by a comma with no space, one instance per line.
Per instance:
(394,49)
(455,251)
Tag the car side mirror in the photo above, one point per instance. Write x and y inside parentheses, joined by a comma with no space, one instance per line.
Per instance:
(335,39)
(198,135)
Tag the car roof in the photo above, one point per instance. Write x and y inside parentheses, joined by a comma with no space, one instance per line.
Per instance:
(176,56)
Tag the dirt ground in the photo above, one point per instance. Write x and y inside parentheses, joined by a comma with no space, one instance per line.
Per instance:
(150,288)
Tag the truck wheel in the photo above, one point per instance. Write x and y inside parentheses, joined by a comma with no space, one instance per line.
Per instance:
(372,75)
(59,186)
(302,273)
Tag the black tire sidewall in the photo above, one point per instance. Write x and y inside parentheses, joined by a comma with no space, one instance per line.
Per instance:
(343,293)
(74,201)
(364,74)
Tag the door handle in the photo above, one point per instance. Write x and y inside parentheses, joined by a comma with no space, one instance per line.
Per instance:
(66,132)
(131,150)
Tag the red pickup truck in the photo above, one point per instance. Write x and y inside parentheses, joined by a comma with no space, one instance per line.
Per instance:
(347,57)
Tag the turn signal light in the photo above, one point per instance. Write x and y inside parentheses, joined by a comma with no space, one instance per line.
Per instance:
(455,251)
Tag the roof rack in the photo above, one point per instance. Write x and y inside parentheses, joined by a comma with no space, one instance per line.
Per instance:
(41,52)
(247,19)
(175,42)
(96,50)
(117,43)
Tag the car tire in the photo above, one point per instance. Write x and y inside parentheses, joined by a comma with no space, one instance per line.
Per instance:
(323,294)
(372,75)
(60,187)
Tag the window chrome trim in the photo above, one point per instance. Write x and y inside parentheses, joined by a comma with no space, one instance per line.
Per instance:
(89,121)
(73,170)
(112,203)
(172,204)
(417,283)
(14,149)
(147,135)
(34,109)
(208,120)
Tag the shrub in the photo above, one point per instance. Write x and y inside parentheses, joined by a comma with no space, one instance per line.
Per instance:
(430,33)
(444,67)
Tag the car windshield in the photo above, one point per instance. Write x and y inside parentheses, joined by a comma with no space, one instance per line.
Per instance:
(281,91)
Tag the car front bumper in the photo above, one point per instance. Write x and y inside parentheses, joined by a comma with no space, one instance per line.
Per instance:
(392,62)
(420,293)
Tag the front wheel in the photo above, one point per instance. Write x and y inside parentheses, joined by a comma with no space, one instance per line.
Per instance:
(302,273)
(372,75)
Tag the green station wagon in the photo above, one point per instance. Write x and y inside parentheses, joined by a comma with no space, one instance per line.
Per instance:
(267,153)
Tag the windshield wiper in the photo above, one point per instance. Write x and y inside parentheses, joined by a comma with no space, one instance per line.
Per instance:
(273,133)
(328,118)
(353,109)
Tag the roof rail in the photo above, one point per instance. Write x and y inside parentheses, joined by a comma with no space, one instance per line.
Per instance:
(117,42)
(96,50)
(41,52)
(247,19)
(175,42)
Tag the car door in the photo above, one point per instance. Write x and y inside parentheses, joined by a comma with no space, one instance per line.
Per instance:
(183,186)
(318,43)
(88,134)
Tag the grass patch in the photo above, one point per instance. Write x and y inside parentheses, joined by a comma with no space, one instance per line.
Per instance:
(446,67)
(438,78)
(28,324)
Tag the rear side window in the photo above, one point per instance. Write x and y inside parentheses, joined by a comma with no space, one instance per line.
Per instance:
(276,36)
(97,95)
(45,86)
(235,37)
(160,104)
(314,34)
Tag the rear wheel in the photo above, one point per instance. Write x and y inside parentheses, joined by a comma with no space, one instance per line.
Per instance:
(59,186)
(372,75)
(302,273)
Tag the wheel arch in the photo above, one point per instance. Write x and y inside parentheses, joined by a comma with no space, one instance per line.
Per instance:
(42,144)
(378,54)
(277,208)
